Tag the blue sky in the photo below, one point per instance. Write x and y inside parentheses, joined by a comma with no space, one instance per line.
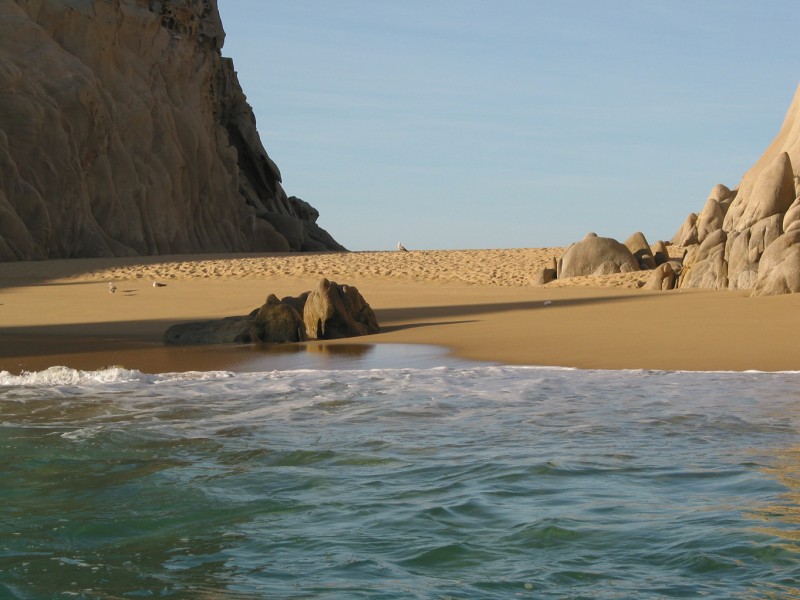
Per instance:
(451,124)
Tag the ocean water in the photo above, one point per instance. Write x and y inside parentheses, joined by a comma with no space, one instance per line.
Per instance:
(431,480)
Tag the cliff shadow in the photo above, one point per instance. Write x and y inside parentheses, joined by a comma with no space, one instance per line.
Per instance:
(418,315)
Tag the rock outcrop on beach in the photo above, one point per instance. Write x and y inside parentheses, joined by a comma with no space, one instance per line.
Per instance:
(330,311)
(595,255)
(598,257)
(278,321)
(746,238)
(337,311)
(124,131)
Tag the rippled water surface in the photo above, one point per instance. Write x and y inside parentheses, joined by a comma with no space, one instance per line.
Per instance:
(448,482)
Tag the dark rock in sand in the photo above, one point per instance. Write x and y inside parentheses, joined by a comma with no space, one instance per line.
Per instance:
(338,311)
(277,322)
(332,310)
(231,330)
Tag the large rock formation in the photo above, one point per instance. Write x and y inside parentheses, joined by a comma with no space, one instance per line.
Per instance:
(124,131)
(595,255)
(745,238)
(741,239)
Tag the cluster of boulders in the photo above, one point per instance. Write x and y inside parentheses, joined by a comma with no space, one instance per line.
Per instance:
(595,255)
(744,238)
(330,311)
(747,238)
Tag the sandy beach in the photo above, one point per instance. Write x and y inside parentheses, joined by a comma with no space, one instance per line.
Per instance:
(478,305)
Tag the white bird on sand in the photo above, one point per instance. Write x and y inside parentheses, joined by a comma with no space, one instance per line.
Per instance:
(401,248)
(112,289)
(159,284)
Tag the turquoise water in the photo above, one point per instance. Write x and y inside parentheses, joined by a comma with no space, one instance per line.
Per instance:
(421,482)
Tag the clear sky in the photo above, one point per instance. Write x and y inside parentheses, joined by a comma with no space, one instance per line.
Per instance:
(511,123)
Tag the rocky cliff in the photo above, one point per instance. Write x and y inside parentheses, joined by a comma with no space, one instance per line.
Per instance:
(124,131)
(749,237)
(745,238)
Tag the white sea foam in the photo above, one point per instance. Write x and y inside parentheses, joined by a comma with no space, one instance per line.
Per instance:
(60,376)
(64,376)
(208,402)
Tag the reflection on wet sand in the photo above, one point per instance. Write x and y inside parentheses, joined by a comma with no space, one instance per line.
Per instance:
(348,350)
(310,355)
(343,355)
(91,355)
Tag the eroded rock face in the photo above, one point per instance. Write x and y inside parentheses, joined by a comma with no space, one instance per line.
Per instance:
(705,265)
(687,234)
(124,131)
(755,221)
(779,269)
(745,248)
(772,193)
(791,219)
(710,219)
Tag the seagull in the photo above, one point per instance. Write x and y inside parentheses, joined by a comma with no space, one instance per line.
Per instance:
(159,284)
(112,289)
(401,248)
